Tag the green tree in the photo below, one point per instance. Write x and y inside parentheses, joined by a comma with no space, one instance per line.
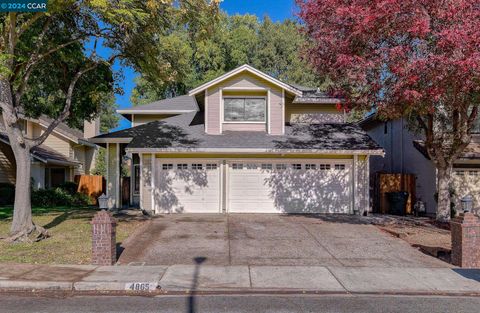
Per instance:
(234,40)
(49,65)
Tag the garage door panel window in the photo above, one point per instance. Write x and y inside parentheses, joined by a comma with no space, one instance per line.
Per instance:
(182,166)
(280,166)
(310,166)
(211,166)
(267,167)
(297,166)
(325,167)
(237,166)
(197,166)
(167,167)
(340,167)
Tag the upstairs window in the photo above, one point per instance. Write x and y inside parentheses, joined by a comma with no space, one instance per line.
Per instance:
(244,109)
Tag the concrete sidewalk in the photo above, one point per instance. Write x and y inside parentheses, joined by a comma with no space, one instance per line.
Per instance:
(241,279)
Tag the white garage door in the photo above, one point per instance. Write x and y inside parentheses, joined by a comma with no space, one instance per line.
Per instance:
(185,187)
(294,187)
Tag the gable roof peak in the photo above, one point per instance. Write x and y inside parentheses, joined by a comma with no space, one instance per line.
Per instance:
(240,69)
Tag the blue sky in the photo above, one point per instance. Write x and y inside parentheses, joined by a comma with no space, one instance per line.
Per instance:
(277,10)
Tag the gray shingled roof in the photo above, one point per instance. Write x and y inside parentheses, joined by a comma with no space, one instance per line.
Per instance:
(186,132)
(45,154)
(180,103)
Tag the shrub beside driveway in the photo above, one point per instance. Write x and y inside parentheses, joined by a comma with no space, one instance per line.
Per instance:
(70,241)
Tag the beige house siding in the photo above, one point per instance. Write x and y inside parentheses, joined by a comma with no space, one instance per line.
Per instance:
(313,113)
(213,111)
(466,182)
(7,164)
(361,183)
(90,159)
(79,155)
(276,111)
(241,84)
(244,127)
(54,141)
(146,182)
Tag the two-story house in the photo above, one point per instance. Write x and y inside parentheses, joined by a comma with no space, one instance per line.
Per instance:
(405,153)
(64,154)
(244,142)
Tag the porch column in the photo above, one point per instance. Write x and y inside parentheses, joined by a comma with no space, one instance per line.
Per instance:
(147,165)
(113,175)
(361,184)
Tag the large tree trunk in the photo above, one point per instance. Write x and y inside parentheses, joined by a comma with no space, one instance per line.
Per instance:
(443,187)
(22,213)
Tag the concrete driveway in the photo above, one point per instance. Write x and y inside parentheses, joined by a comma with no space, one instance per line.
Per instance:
(269,239)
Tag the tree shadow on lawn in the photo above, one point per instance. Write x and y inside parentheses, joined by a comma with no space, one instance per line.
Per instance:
(6,212)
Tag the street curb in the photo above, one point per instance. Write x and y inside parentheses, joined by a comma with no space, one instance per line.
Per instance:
(65,292)
(25,285)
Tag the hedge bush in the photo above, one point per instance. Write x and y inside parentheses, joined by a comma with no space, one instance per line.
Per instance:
(64,195)
(58,197)
(69,187)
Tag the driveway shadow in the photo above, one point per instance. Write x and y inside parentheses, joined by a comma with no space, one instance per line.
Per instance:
(473,274)
(337,218)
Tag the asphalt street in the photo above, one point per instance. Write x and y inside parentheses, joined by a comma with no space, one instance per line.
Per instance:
(240,304)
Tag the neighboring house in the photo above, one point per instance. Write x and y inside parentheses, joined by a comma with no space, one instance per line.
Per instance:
(64,154)
(244,142)
(405,153)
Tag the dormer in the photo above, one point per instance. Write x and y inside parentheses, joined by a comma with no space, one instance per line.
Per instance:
(244,99)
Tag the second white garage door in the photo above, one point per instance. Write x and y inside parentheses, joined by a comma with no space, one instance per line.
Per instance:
(301,187)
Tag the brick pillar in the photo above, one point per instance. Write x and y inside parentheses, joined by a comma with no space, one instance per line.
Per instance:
(104,241)
(466,240)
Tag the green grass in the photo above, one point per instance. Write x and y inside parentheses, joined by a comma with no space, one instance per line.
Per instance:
(70,241)
(7,211)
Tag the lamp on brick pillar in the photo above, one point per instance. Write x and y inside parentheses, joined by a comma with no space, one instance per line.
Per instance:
(465,232)
(104,241)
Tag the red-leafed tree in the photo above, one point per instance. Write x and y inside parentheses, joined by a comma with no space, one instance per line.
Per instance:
(413,58)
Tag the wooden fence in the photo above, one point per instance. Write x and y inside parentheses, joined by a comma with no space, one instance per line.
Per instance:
(385,183)
(91,185)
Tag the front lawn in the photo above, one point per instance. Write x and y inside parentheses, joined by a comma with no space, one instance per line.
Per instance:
(70,241)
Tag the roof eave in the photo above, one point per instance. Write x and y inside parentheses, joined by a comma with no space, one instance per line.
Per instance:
(154,112)
(110,140)
(378,152)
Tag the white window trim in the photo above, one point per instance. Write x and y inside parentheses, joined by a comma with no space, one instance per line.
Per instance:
(136,193)
(283,111)
(206,112)
(243,97)
(118,166)
(269,96)
(152,180)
